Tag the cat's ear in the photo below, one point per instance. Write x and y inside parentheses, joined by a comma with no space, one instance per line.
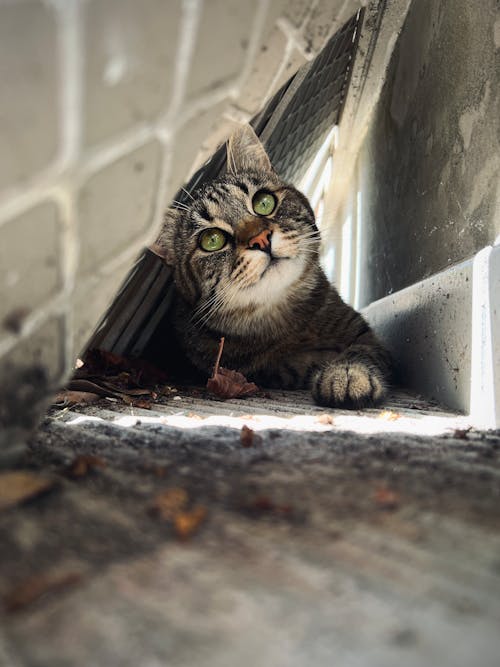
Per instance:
(246,152)
(164,246)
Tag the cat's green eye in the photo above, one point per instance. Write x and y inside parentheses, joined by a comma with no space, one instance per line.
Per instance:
(264,203)
(212,239)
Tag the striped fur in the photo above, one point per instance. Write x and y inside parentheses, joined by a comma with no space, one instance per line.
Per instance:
(284,324)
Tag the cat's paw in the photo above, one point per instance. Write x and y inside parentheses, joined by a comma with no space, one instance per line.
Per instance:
(349,384)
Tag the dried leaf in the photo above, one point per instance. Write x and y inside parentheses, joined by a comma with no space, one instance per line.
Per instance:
(128,392)
(226,383)
(386,499)
(82,465)
(103,363)
(170,503)
(136,402)
(160,471)
(389,416)
(247,436)
(105,388)
(32,589)
(167,390)
(231,384)
(187,523)
(325,419)
(87,386)
(68,398)
(19,486)
(461,433)
(264,505)
(141,403)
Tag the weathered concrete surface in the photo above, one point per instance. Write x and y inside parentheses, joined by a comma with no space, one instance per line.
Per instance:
(429,170)
(299,561)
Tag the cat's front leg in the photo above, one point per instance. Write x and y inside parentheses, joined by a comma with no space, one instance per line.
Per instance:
(357,378)
(292,371)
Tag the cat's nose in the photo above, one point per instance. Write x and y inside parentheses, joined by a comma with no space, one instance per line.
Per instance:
(262,241)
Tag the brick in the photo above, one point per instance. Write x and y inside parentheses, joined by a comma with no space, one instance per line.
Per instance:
(29,261)
(294,62)
(192,137)
(221,44)
(326,18)
(221,131)
(29,111)
(116,205)
(130,60)
(265,67)
(295,11)
(30,374)
(44,349)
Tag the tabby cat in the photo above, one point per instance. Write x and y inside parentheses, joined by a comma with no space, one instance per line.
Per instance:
(245,257)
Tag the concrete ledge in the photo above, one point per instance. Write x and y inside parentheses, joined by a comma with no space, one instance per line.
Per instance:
(444,335)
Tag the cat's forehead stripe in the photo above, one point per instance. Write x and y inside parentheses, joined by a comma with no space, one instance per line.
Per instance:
(242,186)
(215,222)
(205,213)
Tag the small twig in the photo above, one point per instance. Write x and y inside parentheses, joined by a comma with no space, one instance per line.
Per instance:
(219,355)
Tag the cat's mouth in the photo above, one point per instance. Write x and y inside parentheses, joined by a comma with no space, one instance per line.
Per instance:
(273,261)
(270,283)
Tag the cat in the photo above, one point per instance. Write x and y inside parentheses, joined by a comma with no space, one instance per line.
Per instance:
(244,252)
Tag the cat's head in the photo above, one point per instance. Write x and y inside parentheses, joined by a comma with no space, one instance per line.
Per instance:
(243,243)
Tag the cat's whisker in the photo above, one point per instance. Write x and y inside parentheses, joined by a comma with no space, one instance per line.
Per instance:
(204,306)
(230,158)
(307,235)
(180,205)
(211,306)
(188,193)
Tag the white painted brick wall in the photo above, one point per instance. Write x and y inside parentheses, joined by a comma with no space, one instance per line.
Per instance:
(105,108)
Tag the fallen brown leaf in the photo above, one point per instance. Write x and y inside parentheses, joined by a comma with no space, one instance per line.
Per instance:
(325,419)
(226,383)
(389,416)
(167,390)
(116,389)
(170,503)
(265,505)
(33,588)
(247,436)
(82,465)
(68,397)
(230,384)
(160,471)
(461,433)
(105,388)
(387,499)
(20,486)
(187,523)
(137,402)
(102,363)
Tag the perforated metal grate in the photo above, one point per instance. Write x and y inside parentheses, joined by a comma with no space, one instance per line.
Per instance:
(315,107)
(293,125)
